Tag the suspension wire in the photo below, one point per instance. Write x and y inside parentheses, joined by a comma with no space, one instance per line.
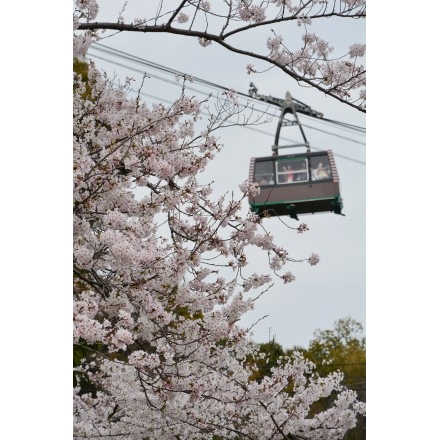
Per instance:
(353,129)
(247,97)
(121,54)
(257,130)
(173,82)
(209,94)
(345,124)
(336,135)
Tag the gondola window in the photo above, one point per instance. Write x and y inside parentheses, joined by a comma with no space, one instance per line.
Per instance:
(264,174)
(292,171)
(320,167)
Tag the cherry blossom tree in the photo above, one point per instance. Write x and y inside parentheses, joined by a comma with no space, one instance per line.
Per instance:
(162,276)
(309,59)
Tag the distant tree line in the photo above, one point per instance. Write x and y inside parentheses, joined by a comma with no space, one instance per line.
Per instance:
(342,349)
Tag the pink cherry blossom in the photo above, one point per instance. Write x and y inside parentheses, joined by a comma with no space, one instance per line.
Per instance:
(164,271)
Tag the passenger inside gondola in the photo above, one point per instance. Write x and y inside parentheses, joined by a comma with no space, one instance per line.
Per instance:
(321,171)
(289,173)
(293,171)
(301,175)
(264,173)
(266,180)
(294,185)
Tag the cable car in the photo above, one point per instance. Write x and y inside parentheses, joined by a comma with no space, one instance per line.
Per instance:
(294,184)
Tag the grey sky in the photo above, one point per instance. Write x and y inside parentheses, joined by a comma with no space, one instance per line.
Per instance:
(333,289)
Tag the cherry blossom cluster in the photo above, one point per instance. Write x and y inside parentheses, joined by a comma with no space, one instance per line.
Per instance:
(162,276)
(310,59)
(249,12)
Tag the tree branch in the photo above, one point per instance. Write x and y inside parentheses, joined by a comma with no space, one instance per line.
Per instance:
(219,40)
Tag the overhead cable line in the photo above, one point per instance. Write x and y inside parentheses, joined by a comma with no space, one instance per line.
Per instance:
(247,97)
(257,130)
(121,54)
(125,55)
(173,82)
(188,87)
(345,124)
(336,135)
(208,94)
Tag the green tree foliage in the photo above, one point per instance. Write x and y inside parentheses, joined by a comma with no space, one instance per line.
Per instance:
(342,349)
(82,68)
(273,352)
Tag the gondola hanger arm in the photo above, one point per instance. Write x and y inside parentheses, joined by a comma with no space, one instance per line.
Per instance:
(300,107)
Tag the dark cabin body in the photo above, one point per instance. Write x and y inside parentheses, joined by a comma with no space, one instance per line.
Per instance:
(305,183)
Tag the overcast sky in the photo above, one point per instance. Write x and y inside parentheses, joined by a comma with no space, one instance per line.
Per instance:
(403,233)
(336,287)
(402,226)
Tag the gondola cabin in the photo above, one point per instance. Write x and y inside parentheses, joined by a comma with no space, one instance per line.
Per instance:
(295,184)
